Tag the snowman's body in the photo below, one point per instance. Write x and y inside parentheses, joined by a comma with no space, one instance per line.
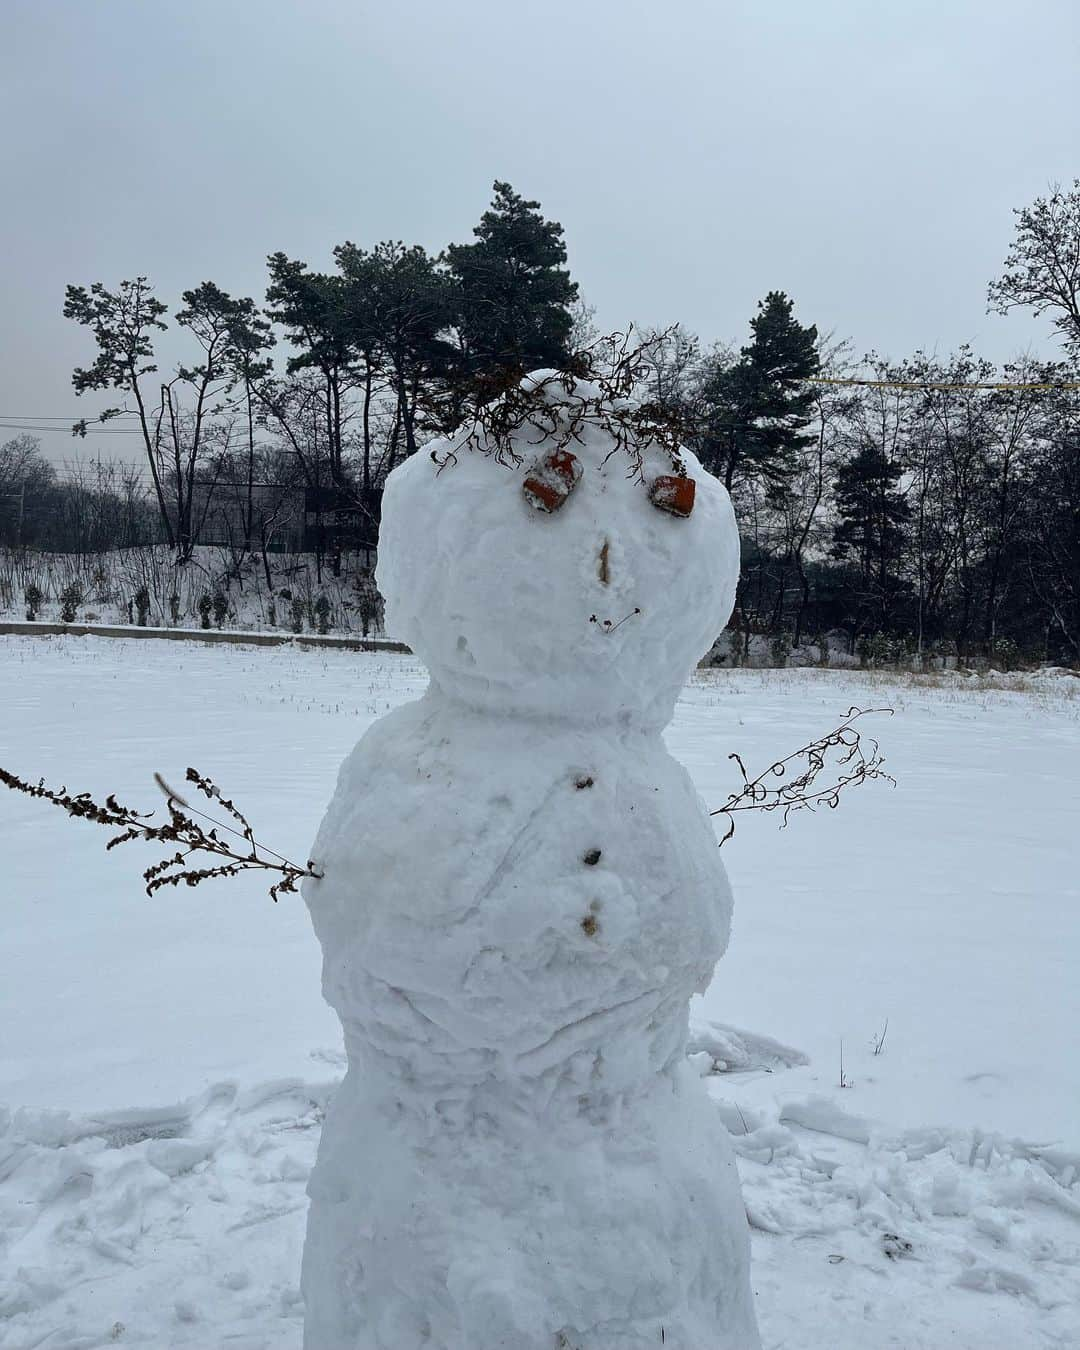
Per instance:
(521,893)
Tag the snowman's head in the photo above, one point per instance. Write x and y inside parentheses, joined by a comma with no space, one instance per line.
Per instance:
(595,611)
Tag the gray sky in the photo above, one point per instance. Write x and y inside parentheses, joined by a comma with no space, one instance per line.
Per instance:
(863,155)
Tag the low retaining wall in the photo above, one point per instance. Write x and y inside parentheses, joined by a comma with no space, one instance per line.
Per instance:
(23,628)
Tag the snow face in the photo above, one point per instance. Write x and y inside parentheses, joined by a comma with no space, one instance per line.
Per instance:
(595,611)
(521,893)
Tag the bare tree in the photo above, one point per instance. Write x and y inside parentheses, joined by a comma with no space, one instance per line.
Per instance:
(26,480)
(803,505)
(1042,269)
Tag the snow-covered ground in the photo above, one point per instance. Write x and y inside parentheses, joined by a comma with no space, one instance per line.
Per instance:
(166,1062)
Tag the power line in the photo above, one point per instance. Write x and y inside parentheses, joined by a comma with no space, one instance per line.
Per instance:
(66,431)
(933,384)
(56,417)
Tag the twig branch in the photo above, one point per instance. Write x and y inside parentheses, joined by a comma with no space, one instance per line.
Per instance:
(601,387)
(608,626)
(180,829)
(853,763)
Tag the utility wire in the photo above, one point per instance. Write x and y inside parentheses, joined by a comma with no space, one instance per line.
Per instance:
(66,431)
(55,417)
(932,384)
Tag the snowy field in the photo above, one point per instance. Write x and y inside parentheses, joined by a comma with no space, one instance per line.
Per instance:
(164,1063)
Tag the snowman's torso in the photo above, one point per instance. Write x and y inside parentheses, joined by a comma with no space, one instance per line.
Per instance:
(526,899)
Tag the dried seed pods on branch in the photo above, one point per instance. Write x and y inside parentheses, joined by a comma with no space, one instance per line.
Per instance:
(180,829)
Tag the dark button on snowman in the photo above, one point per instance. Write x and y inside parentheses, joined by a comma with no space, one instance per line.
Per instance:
(521,892)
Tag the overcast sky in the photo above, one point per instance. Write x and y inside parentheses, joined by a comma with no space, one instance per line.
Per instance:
(863,155)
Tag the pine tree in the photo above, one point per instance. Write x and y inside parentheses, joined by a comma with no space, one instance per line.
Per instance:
(400,308)
(514,295)
(756,410)
(244,337)
(870,531)
(123,323)
(312,307)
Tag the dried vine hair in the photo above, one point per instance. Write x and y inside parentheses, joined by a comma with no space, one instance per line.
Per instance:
(601,386)
(179,829)
(853,761)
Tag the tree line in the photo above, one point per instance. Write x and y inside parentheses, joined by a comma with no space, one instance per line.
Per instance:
(392,345)
(915,513)
(912,516)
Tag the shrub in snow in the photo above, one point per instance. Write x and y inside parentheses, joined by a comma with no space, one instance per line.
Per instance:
(174,608)
(520,893)
(296,614)
(142,605)
(221,608)
(322,614)
(206,608)
(1005,654)
(33,598)
(368,602)
(71,597)
(780,649)
(881,649)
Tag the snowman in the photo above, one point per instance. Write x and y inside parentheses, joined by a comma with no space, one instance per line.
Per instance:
(521,891)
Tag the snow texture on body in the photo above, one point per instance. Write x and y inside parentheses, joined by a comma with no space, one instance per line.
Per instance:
(522,891)
(916,1240)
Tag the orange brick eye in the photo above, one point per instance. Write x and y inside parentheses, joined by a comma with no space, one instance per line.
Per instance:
(673,494)
(552,480)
